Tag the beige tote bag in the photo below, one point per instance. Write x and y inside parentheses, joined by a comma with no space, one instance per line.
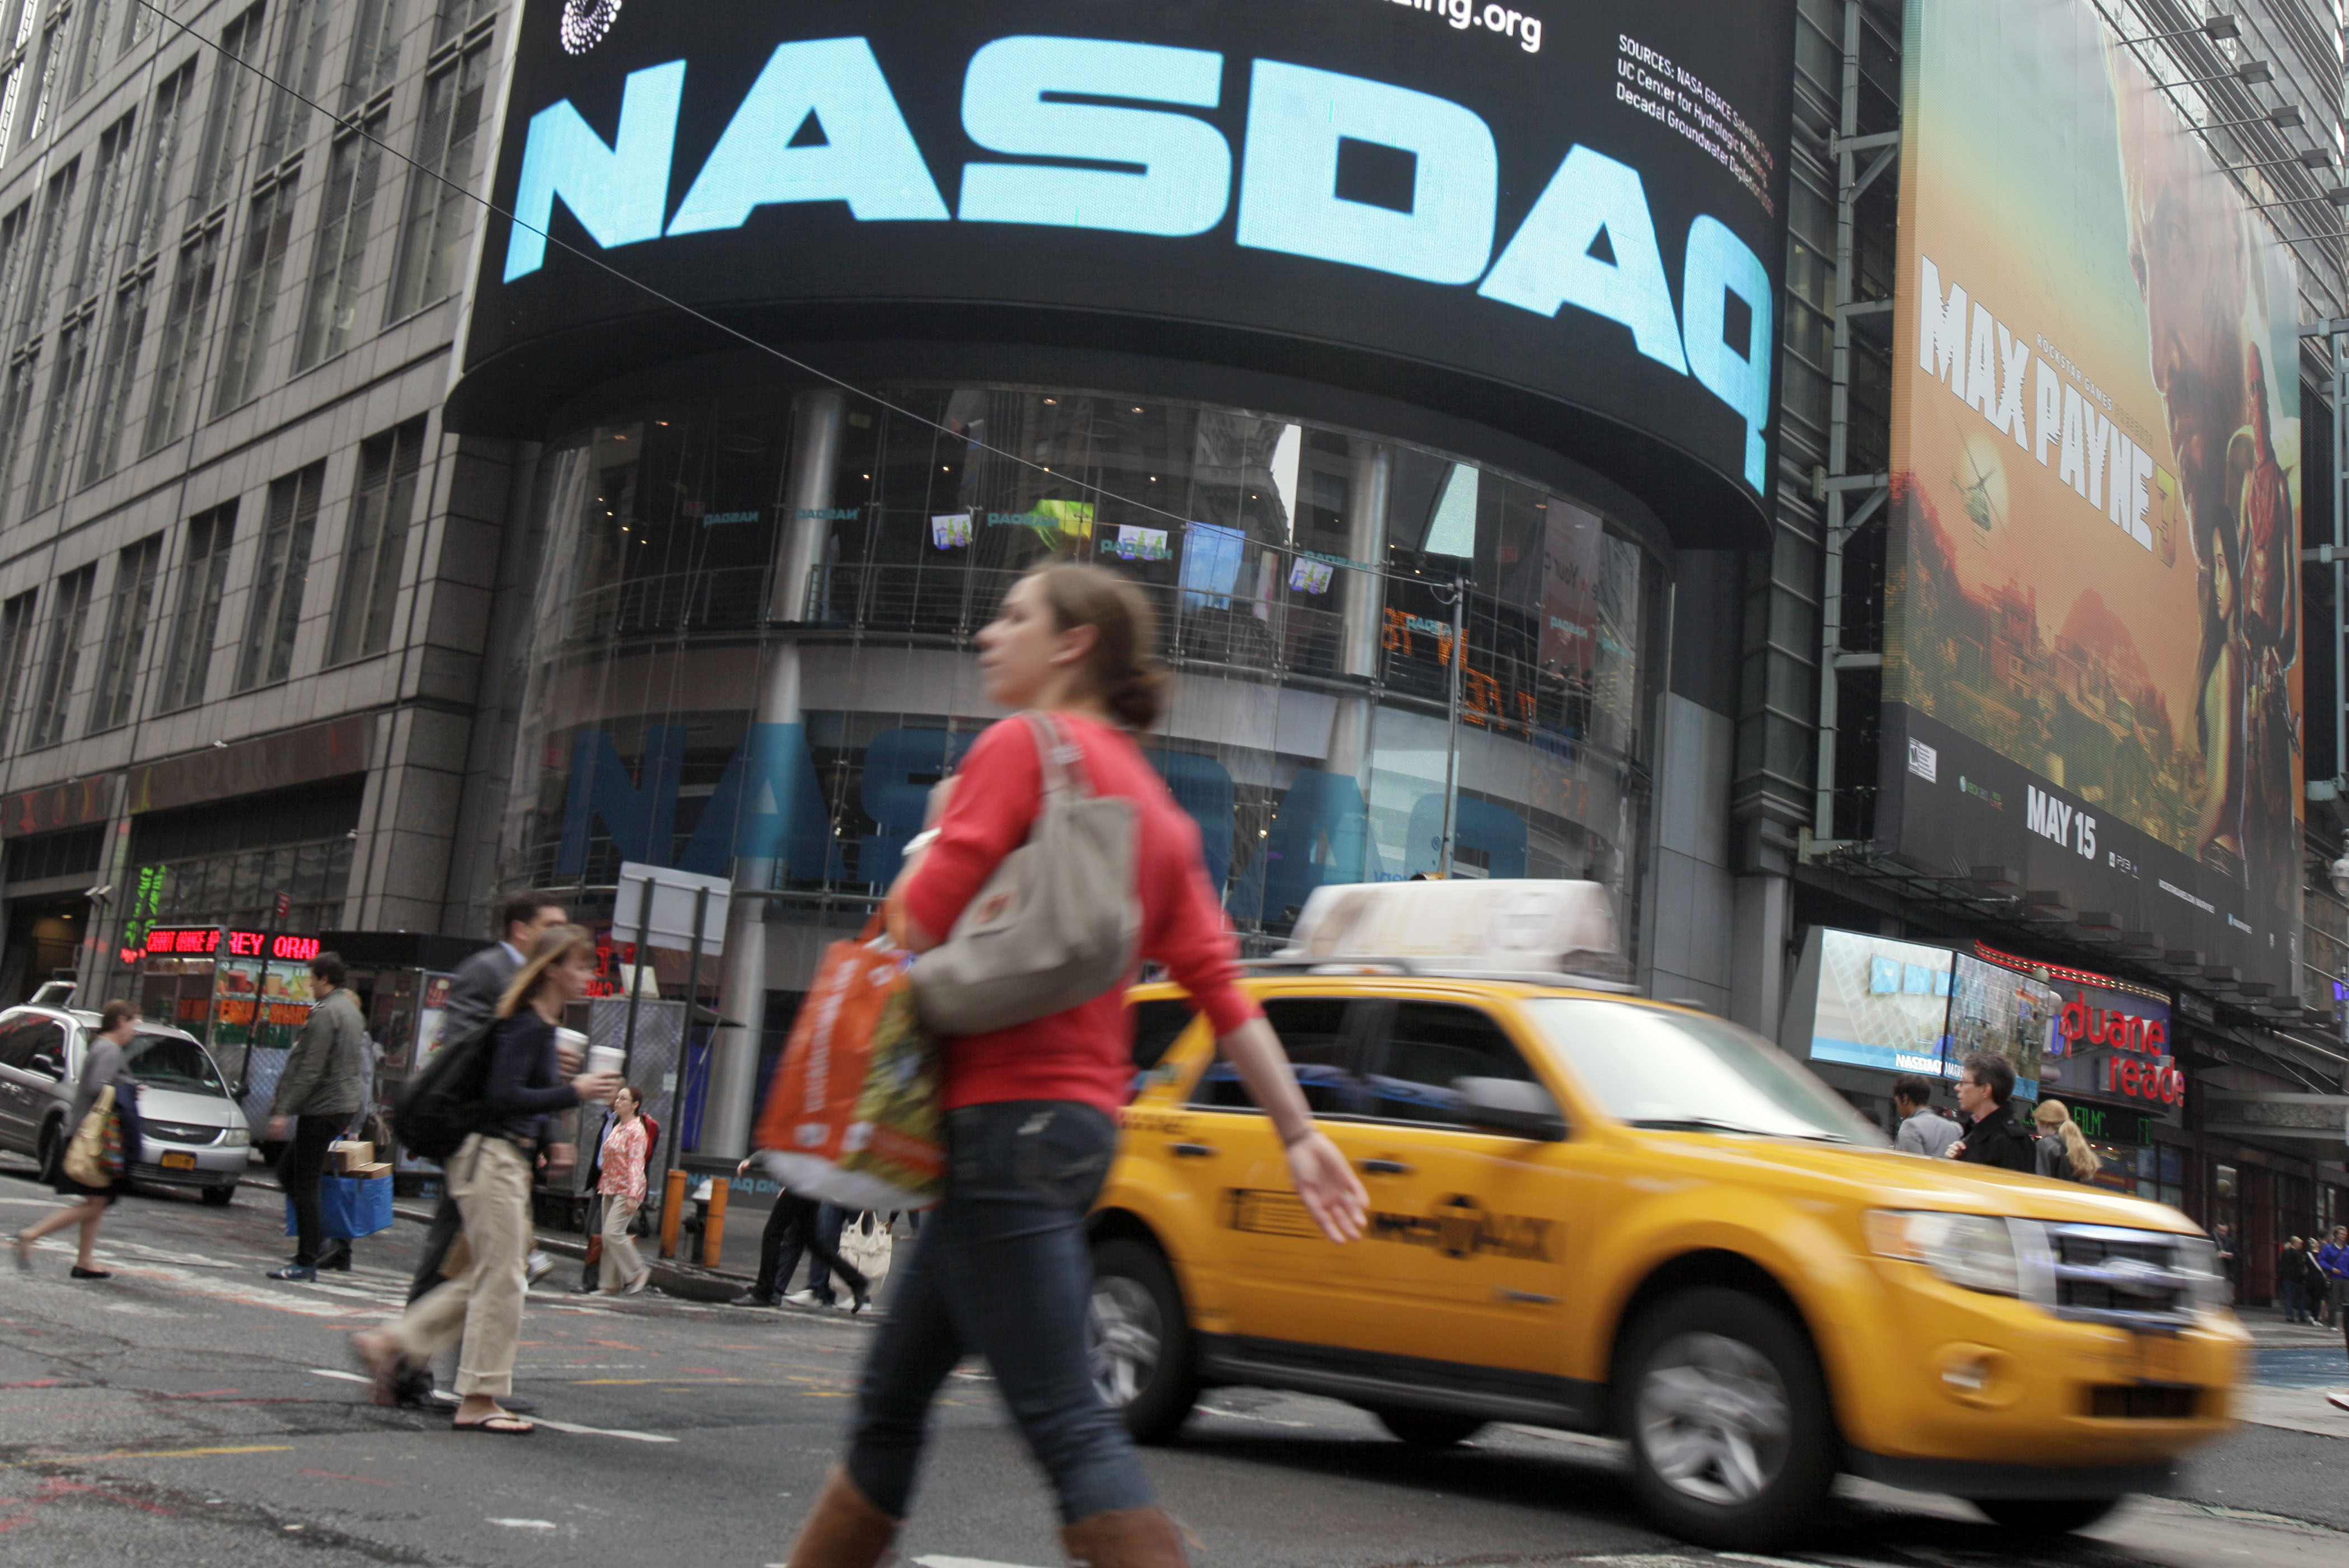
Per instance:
(1058,922)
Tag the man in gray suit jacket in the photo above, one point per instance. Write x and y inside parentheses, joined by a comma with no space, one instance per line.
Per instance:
(473,996)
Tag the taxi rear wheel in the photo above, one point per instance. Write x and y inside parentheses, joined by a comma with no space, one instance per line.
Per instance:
(1428,1428)
(1731,1444)
(1143,1356)
(2045,1515)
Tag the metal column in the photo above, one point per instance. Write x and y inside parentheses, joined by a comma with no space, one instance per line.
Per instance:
(1835,482)
(742,994)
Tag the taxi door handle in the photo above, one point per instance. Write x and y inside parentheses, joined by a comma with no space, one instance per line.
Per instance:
(1192,1151)
(1386,1167)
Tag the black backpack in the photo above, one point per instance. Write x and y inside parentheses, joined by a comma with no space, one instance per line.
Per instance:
(442,1106)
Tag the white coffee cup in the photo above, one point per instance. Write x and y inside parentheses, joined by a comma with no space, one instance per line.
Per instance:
(604,1058)
(572,1043)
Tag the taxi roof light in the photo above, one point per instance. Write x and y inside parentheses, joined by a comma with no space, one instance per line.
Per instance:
(1548,931)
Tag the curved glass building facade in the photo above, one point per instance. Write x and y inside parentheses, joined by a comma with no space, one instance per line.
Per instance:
(748,649)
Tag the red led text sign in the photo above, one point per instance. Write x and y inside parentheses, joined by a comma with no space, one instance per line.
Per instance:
(210,941)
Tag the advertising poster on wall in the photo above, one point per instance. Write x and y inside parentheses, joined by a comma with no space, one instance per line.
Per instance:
(2091,671)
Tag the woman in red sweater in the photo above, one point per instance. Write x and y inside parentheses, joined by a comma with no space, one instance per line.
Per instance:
(1002,1266)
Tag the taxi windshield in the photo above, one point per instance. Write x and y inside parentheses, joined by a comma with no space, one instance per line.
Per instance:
(167,1061)
(1686,1072)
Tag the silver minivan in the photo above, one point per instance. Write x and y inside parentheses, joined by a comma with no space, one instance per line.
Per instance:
(196,1136)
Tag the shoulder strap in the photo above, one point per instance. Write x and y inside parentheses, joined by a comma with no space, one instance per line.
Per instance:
(1055,753)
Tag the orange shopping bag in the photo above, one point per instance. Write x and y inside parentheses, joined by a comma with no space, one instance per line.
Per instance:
(853,1115)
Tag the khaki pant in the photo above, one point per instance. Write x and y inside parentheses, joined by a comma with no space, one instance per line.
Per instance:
(489,1179)
(622,1265)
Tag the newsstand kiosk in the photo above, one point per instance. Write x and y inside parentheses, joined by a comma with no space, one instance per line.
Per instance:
(244,993)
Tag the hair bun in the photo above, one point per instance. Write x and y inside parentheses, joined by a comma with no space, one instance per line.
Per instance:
(1139,701)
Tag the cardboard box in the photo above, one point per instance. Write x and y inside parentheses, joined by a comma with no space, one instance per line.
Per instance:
(370,1172)
(349,1154)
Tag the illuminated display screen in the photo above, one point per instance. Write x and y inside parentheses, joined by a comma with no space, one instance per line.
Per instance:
(1565,224)
(1883,1004)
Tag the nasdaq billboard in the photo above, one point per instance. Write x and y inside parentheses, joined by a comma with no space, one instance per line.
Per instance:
(2091,668)
(1566,223)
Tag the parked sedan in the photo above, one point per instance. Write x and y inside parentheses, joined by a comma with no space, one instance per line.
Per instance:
(196,1135)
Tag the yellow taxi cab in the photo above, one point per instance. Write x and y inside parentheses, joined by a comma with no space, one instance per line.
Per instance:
(1597,1212)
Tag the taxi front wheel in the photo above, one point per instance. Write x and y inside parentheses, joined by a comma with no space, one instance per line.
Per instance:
(1726,1414)
(1140,1343)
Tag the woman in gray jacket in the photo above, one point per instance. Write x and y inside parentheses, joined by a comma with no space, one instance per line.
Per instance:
(102,1064)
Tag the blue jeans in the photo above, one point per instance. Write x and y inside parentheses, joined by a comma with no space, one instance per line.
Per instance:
(1003,1268)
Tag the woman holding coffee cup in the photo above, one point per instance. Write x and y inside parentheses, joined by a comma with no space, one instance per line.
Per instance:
(490,1177)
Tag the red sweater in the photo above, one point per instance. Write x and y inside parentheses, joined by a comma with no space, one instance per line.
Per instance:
(1087,1052)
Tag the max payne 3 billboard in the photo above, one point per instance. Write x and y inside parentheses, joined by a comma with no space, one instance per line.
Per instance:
(2091,627)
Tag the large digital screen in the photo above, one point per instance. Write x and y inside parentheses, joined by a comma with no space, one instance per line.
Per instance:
(1875,1002)
(1566,223)
(2091,666)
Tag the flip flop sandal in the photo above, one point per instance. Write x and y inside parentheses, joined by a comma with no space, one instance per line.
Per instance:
(497,1426)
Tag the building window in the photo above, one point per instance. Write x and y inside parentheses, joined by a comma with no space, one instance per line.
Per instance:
(75,852)
(96,17)
(301,51)
(375,52)
(67,617)
(15,653)
(459,17)
(261,267)
(226,863)
(434,228)
(203,577)
(343,224)
(136,573)
(226,115)
(110,187)
(166,129)
(378,547)
(183,339)
(50,458)
(13,90)
(44,76)
(277,580)
(40,265)
(112,407)
(15,412)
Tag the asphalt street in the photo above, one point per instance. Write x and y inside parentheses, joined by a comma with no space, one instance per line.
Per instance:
(189,1412)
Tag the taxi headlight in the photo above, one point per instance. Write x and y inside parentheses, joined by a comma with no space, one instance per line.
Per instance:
(2198,1260)
(236,1138)
(1972,1251)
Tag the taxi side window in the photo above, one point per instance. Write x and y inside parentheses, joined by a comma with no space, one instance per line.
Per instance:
(1312,1029)
(16,1045)
(1423,1046)
(1157,1026)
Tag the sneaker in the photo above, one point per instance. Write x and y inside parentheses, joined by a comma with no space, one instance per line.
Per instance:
(539,1267)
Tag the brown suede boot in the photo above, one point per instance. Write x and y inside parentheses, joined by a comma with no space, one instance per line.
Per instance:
(843,1530)
(1124,1538)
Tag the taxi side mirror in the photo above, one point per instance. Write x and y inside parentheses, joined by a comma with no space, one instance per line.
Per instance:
(1512,1106)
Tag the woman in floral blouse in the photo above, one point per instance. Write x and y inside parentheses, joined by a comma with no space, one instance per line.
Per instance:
(623,1187)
